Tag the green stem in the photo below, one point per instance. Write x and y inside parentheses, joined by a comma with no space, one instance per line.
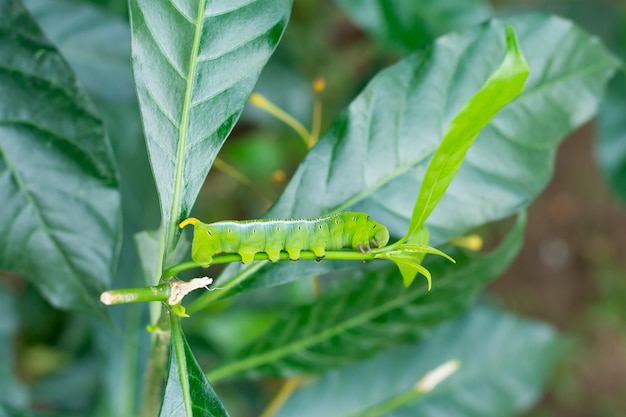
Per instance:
(136,295)
(261,256)
(210,297)
(178,268)
(156,371)
(263,103)
(179,352)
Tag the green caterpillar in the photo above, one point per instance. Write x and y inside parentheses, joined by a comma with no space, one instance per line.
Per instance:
(247,238)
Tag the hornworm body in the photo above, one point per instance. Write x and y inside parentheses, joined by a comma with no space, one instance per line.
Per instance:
(334,232)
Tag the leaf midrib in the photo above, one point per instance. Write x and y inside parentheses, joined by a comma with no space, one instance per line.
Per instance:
(31,201)
(406,167)
(318,337)
(182,136)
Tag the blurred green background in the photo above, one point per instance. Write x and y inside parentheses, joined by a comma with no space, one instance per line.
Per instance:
(572,269)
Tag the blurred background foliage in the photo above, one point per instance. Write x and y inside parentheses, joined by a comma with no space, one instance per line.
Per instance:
(571,272)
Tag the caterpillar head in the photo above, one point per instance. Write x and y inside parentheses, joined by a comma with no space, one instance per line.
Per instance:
(378,232)
(206,241)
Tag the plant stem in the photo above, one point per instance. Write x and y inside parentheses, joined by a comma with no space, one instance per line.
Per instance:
(316,120)
(156,371)
(285,392)
(136,295)
(181,360)
(263,103)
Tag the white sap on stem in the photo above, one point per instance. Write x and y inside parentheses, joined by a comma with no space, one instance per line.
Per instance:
(179,289)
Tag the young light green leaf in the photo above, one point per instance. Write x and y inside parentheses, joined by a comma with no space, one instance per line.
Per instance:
(195,63)
(488,344)
(503,85)
(420,237)
(368,316)
(505,169)
(60,223)
(188,393)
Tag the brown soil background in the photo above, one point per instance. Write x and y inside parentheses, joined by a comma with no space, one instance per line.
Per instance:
(571,273)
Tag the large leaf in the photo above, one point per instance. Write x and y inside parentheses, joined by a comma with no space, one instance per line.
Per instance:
(411,24)
(368,316)
(504,362)
(60,221)
(187,388)
(96,45)
(374,156)
(195,64)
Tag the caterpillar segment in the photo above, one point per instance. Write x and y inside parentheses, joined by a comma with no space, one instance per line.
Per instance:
(348,230)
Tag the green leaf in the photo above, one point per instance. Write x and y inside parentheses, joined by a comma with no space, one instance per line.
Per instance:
(503,85)
(195,63)
(11,390)
(505,361)
(611,144)
(96,45)
(187,392)
(411,24)
(60,221)
(368,316)
(420,237)
(374,156)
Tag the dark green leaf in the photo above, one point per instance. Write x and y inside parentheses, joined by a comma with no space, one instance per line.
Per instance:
(204,401)
(11,390)
(504,362)
(96,44)
(195,64)
(611,145)
(60,221)
(370,315)
(374,156)
(411,24)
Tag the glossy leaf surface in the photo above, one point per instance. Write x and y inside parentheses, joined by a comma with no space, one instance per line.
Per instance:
(195,63)
(60,221)
(492,381)
(203,400)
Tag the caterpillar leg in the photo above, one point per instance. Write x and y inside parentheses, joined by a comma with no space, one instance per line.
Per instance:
(247,254)
(294,254)
(362,249)
(320,253)
(274,255)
